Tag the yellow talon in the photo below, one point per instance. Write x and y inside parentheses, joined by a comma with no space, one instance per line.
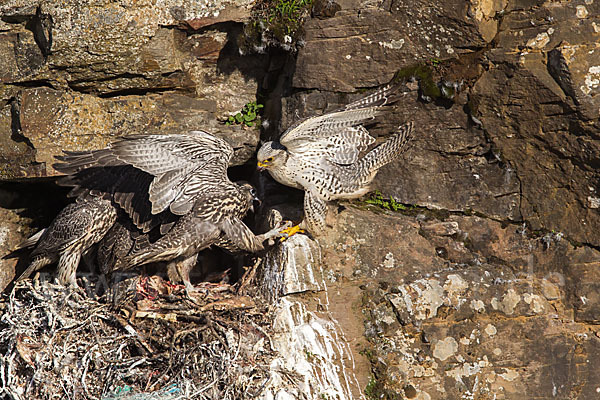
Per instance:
(291,232)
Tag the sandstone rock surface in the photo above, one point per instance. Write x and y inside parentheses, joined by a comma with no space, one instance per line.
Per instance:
(79,74)
(484,287)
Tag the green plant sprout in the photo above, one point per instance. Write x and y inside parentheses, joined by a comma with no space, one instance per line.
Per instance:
(378,200)
(275,23)
(371,389)
(248,116)
(287,13)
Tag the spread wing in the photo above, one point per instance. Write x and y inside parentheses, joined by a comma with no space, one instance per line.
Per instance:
(316,128)
(240,236)
(180,164)
(344,147)
(150,175)
(188,235)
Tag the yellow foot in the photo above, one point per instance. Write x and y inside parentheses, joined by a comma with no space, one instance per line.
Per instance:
(289,232)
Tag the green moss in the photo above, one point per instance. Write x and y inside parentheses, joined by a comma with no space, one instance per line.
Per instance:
(368,353)
(276,23)
(248,116)
(371,389)
(424,73)
(429,75)
(309,355)
(376,390)
(378,200)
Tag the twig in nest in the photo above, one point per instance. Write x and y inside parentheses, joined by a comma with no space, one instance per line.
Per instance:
(248,276)
(178,334)
(86,351)
(241,302)
(261,330)
(131,330)
(212,325)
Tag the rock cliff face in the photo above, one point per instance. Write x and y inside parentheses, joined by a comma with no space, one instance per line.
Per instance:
(486,286)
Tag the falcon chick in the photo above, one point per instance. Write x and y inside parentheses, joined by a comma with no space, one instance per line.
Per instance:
(322,156)
(175,194)
(215,219)
(71,234)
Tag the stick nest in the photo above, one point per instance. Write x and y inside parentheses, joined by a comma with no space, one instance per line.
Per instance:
(143,339)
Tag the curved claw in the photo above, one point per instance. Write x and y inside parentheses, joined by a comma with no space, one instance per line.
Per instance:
(289,232)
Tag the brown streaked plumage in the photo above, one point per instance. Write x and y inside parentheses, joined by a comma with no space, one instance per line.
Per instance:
(214,220)
(175,194)
(71,234)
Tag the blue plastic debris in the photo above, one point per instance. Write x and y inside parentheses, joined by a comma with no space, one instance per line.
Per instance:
(170,392)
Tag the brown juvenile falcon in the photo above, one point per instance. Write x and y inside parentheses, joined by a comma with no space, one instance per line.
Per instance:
(174,189)
(71,234)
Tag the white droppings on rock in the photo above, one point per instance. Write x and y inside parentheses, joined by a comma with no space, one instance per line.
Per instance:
(443,349)
(509,375)
(490,330)
(478,305)
(388,262)
(592,79)
(393,44)
(311,349)
(301,260)
(462,370)
(539,41)
(581,12)
(535,301)
(594,202)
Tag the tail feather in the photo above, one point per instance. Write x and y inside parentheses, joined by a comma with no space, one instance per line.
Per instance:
(386,95)
(36,264)
(31,241)
(388,151)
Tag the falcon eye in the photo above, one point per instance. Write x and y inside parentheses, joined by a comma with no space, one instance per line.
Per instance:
(253,192)
(269,159)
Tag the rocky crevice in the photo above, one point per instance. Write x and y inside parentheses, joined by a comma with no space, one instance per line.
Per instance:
(486,289)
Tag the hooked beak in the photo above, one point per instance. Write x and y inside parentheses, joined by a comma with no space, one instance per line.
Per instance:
(261,166)
(255,199)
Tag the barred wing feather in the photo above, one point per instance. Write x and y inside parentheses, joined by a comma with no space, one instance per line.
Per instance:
(176,161)
(315,128)
(151,177)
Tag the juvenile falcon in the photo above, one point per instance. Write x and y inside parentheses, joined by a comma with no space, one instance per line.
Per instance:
(71,234)
(155,179)
(174,189)
(322,156)
(215,219)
